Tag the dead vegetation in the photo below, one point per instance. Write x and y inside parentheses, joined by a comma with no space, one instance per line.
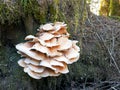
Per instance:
(101,41)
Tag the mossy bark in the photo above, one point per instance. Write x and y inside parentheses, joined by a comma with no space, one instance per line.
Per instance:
(32,14)
(110,7)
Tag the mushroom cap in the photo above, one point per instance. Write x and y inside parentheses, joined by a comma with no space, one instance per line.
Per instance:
(46,63)
(52,51)
(56,63)
(72,55)
(22,63)
(40,48)
(74,59)
(52,42)
(37,69)
(61,69)
(47,27)
(75,46)
(48,43)
(45,36)
(64,43)
(59,25)
(29,37)
(60,31)
(47,72)
(31,61)
(49,63)
(22,54)
(32,73)
(62,59)
(52,73)
(26,49)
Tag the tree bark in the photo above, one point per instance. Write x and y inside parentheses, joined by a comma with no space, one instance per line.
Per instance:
(94,61)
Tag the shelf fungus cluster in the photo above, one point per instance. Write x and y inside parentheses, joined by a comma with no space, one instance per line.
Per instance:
(49,52)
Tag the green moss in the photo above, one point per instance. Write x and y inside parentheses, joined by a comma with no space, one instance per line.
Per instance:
(110,7)
(52,12)
(104,7)
(115,10)
(9,13)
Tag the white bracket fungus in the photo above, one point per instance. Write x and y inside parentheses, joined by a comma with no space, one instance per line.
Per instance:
(49,52)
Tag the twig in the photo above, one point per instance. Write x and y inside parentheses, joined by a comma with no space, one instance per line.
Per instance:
(110,53)
(101,38)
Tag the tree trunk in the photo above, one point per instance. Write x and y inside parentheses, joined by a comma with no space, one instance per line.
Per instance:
(110,8)
(94,60)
